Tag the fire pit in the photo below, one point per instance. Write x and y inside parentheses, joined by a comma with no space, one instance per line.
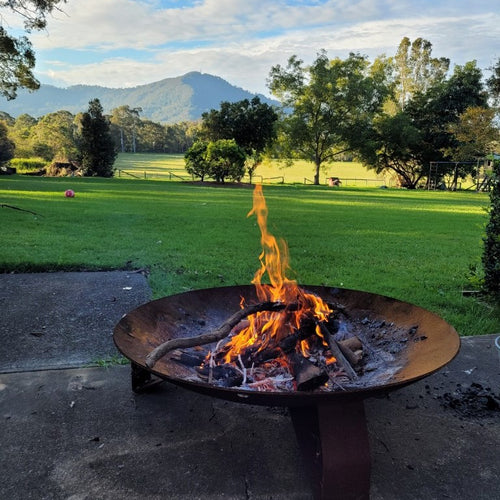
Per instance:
(330,425)
(317,350)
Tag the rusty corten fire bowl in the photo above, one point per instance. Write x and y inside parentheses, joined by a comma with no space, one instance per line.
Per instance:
(196,312)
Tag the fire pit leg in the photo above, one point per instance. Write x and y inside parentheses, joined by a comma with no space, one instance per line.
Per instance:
(334,442)
(142,379)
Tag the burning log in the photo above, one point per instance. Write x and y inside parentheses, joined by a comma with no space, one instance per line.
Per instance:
(342,361)
(213,336)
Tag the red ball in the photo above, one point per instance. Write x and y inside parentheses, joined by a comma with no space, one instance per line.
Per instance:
(69,193)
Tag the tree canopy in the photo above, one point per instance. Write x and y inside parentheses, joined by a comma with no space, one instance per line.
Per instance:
(331,105)
(97,149)
(17,58)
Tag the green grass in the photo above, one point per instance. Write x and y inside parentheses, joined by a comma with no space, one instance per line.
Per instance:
(171,167)
(413,245)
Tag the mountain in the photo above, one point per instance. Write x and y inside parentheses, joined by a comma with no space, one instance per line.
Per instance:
(171,100)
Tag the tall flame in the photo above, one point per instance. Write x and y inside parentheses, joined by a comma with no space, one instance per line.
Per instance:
(269,328)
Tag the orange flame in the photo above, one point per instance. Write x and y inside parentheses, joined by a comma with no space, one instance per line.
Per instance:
(267,329)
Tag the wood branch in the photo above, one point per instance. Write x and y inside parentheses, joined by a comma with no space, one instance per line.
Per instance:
(215,335)
(3,205)
(342,361)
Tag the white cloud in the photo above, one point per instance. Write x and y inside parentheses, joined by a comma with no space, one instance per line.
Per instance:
(240,40)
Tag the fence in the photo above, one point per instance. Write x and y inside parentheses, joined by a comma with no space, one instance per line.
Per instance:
(344,181)
(154,175)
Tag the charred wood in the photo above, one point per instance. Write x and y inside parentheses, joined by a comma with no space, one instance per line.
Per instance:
(342,361)
(225,375)
(307,375)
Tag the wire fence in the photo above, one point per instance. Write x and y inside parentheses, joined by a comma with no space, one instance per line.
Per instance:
(176,176)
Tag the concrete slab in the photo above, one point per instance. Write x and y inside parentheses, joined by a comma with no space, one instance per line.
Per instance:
(82,434)
(60,320)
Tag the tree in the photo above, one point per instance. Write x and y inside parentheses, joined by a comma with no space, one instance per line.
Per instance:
(250,123)
(491,250)
(416,70)
(475,132)
(21,133)
(97,148)
(405,143)
(54,136)
(332,105)
(493,81)
(179,137)
(152,137)
(226,160)
(6,145)
(196,160)
(17,58)
(435,111)
(127,123)
(394,147)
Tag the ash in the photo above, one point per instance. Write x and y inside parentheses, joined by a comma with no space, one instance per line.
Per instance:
(380,354)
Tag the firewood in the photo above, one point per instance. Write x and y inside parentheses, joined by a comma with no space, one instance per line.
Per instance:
(189,358)
(342,361)
(350,356)
(226,375)
(215,335)
(307,375)
(353,343)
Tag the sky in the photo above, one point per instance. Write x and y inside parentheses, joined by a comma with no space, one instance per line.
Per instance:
(125,43)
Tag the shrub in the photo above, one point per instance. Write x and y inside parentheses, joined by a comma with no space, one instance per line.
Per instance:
(491,251)
(27,165)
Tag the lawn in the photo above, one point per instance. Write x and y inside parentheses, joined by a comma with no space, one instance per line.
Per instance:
(416,246)
(171,167)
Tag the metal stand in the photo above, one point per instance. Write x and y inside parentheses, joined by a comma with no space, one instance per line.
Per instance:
(142,380)
(334,441)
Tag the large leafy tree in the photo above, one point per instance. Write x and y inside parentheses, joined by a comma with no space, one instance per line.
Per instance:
(196,162)
(222,159)
(250,123)
(406,142)
(97,148)
(435,111)
(226,160)
(328,107)
(17,58)
(54,136)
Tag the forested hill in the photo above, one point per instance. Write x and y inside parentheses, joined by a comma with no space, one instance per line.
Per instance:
(171,100)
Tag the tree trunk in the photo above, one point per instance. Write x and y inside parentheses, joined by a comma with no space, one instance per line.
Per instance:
(317,164)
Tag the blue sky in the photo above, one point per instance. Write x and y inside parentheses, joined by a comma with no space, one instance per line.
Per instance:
(123,43)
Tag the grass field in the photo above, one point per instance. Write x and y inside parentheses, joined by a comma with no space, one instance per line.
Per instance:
(413,245)
(171,167)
